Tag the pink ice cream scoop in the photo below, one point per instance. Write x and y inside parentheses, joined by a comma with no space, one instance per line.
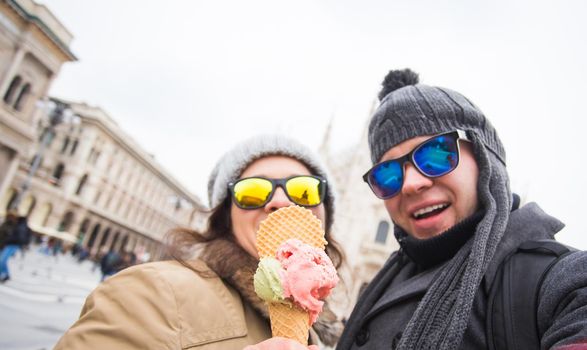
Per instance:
(308,275)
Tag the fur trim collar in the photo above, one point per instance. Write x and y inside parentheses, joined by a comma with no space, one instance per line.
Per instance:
(236,267)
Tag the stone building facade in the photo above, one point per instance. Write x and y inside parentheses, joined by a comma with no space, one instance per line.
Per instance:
(98,185)
(94,185)
(362,224)
(33,47)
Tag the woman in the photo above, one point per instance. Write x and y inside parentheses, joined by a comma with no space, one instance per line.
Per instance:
(209,303)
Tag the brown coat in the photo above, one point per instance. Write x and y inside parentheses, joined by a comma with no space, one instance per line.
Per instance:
(165,305)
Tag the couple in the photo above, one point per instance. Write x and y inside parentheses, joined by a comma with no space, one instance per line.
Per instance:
(439,167)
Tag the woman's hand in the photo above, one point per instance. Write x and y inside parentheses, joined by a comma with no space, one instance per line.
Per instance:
(279,343)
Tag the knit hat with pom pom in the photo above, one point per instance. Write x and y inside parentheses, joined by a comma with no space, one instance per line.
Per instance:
(407,110)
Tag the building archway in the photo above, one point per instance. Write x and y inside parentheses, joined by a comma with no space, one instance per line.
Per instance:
(40,214)
(124,243)
(93,236)
(114,240)
(8,199)
(104,238)
(27,205)
(66,222)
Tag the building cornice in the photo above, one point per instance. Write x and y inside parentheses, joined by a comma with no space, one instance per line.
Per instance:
(32,18)
(98,117)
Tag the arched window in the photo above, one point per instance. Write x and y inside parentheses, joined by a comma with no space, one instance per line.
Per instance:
(73,147)
(82,183)
(24,93)
(14,84)
(65,144)
(57,174)
(382,232)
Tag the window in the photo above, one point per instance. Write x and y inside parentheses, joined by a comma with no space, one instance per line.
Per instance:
(24,93)
(73,147)
(82,183)
(14,84)
(382,231)
(65,144)
(57,173)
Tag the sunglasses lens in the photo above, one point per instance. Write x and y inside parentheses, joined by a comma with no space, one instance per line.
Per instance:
(438,156)
(305,190)
(252,193)
(386,179)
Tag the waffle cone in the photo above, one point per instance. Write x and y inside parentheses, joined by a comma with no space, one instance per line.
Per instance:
(286,223)
(289,321)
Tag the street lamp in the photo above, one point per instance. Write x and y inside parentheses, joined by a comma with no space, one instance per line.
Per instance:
(59,112)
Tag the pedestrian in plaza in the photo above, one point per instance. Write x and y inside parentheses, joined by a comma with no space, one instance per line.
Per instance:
(6,227)
(210,303)
(110,264)
(16,239)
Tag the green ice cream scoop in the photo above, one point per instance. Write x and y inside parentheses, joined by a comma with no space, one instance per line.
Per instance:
(267,280)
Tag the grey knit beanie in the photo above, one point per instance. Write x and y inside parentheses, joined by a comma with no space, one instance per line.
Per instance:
(409,109)
(234,162)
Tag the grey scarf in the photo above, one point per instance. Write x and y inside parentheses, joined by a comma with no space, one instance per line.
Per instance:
(442,316)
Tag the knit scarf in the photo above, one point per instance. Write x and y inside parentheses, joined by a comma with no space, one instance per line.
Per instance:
(442,315)
(236,267)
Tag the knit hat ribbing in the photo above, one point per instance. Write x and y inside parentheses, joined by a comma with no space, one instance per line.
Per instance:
(234,162)
(417,110)
(408,110)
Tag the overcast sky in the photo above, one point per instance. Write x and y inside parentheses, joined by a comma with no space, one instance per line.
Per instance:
(188,79)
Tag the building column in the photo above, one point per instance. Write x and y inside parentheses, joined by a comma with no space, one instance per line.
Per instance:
(10,160)
(78,219)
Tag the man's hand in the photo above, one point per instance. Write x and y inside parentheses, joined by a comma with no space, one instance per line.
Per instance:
(279,343)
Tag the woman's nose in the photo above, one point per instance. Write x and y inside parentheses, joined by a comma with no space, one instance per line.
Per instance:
(414,181)
(278,201)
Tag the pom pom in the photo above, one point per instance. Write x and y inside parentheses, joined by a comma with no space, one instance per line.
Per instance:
(396,79)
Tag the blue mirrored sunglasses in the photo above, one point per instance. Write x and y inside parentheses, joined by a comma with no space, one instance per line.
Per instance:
(437,156)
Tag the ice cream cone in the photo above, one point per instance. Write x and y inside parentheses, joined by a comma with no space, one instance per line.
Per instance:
(289,321)
(286,223)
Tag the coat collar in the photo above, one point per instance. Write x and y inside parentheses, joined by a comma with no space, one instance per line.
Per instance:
(237,268)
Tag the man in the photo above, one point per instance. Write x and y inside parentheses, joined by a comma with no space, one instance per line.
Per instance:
(440,170)
(6,228)
(17,236)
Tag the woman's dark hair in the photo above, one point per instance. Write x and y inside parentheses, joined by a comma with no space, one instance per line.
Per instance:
(181,241)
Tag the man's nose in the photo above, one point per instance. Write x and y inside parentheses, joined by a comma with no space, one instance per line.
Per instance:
(278,201)
(414,181)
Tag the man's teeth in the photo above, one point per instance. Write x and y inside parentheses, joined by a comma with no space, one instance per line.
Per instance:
(429,209)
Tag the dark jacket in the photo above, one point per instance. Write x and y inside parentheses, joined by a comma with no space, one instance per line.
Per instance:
(6,229)
(387,305)
(20,234)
